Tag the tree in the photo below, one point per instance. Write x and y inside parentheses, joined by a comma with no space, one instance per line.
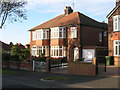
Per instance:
(15,53)
(15,50)
(25,54)
(13,10)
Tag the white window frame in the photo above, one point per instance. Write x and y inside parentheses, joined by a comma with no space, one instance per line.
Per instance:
(55,51)
(105,33)
(39,34)
(116,23)
(55,32)
(88,54)
(73,32)
(116,47)
(36,50)
(100,37)
(34,35)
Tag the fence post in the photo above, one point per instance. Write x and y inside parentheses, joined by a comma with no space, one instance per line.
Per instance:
(33,65)
(47,64)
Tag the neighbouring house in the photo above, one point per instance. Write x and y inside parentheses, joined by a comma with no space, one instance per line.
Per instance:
(114,33)
(7,47)
(27,45)
(71,35)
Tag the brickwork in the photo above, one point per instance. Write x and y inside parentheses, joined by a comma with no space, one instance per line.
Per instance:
(18,65)
(117,61)
(113,35)
(81,68)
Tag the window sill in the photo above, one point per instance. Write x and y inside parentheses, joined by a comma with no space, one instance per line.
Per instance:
(58,56)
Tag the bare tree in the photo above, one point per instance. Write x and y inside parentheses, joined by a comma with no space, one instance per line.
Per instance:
(12,10)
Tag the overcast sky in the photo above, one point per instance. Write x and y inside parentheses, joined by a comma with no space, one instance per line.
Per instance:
(39,11)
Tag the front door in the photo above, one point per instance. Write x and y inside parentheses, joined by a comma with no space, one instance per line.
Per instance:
(76,53)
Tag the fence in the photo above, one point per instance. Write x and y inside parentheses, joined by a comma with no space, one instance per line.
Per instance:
(20,65)
(17,65)
(39,66)
(53,64)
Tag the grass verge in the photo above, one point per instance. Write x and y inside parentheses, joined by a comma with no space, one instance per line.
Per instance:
(55,78)
(7,72)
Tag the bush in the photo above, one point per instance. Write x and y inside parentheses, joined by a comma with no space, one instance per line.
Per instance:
(6,57)
(39,59)
(81,59)
(15,58)
(109,60)
(63,60)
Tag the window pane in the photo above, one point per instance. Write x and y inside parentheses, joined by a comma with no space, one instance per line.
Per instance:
(60,52)
(60,34)
(119,50)
(116,50)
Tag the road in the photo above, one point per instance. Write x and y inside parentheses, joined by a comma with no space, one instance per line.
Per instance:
(30,79)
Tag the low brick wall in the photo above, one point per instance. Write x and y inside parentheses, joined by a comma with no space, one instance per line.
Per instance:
(18,65)
(81,68)
(117,61)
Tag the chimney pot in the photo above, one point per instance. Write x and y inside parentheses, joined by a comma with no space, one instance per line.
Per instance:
(117,2)
(68,10)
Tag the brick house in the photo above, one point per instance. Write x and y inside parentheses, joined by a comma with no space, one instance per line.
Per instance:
(114,33)
(69,35)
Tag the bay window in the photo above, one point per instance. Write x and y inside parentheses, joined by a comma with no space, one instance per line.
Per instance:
(73,32)
(58,51)
(39,50)
(41,34)
(116,23)
(58,32)
(116,47)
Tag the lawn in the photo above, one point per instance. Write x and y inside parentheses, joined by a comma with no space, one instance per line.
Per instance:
(7,72)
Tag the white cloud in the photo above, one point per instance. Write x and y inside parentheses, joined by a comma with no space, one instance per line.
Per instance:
(56,7)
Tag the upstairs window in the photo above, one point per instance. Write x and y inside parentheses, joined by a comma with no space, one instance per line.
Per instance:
(73,32)
(58,32)
(41,34)
(105,33)
(116,47)
(116,23)
(34,36)
(100,37)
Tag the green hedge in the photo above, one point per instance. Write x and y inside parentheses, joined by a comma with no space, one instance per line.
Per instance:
(109,60)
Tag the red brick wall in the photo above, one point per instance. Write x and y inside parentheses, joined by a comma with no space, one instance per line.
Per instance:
(113,36)
(81,68)
(58,42)
(90,36)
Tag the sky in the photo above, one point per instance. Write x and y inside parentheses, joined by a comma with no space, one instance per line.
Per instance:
(40,11)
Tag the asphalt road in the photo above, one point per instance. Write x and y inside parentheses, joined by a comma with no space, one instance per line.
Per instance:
(29,79)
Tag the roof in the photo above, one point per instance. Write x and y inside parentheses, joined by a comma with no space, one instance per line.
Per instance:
(114,9)
(71,19)
(5,46)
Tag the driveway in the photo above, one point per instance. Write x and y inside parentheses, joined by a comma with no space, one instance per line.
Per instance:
(29,79)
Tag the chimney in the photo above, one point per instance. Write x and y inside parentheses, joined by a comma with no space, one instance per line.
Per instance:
(117,2)
(68,10)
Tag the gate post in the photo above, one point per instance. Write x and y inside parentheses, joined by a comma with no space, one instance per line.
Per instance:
(95,63)
(47,64)
(33,65)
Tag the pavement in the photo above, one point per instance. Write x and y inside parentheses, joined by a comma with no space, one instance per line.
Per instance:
(30,79)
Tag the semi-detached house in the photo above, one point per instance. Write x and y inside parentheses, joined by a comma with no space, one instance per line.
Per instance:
(114,33)
(71,35)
